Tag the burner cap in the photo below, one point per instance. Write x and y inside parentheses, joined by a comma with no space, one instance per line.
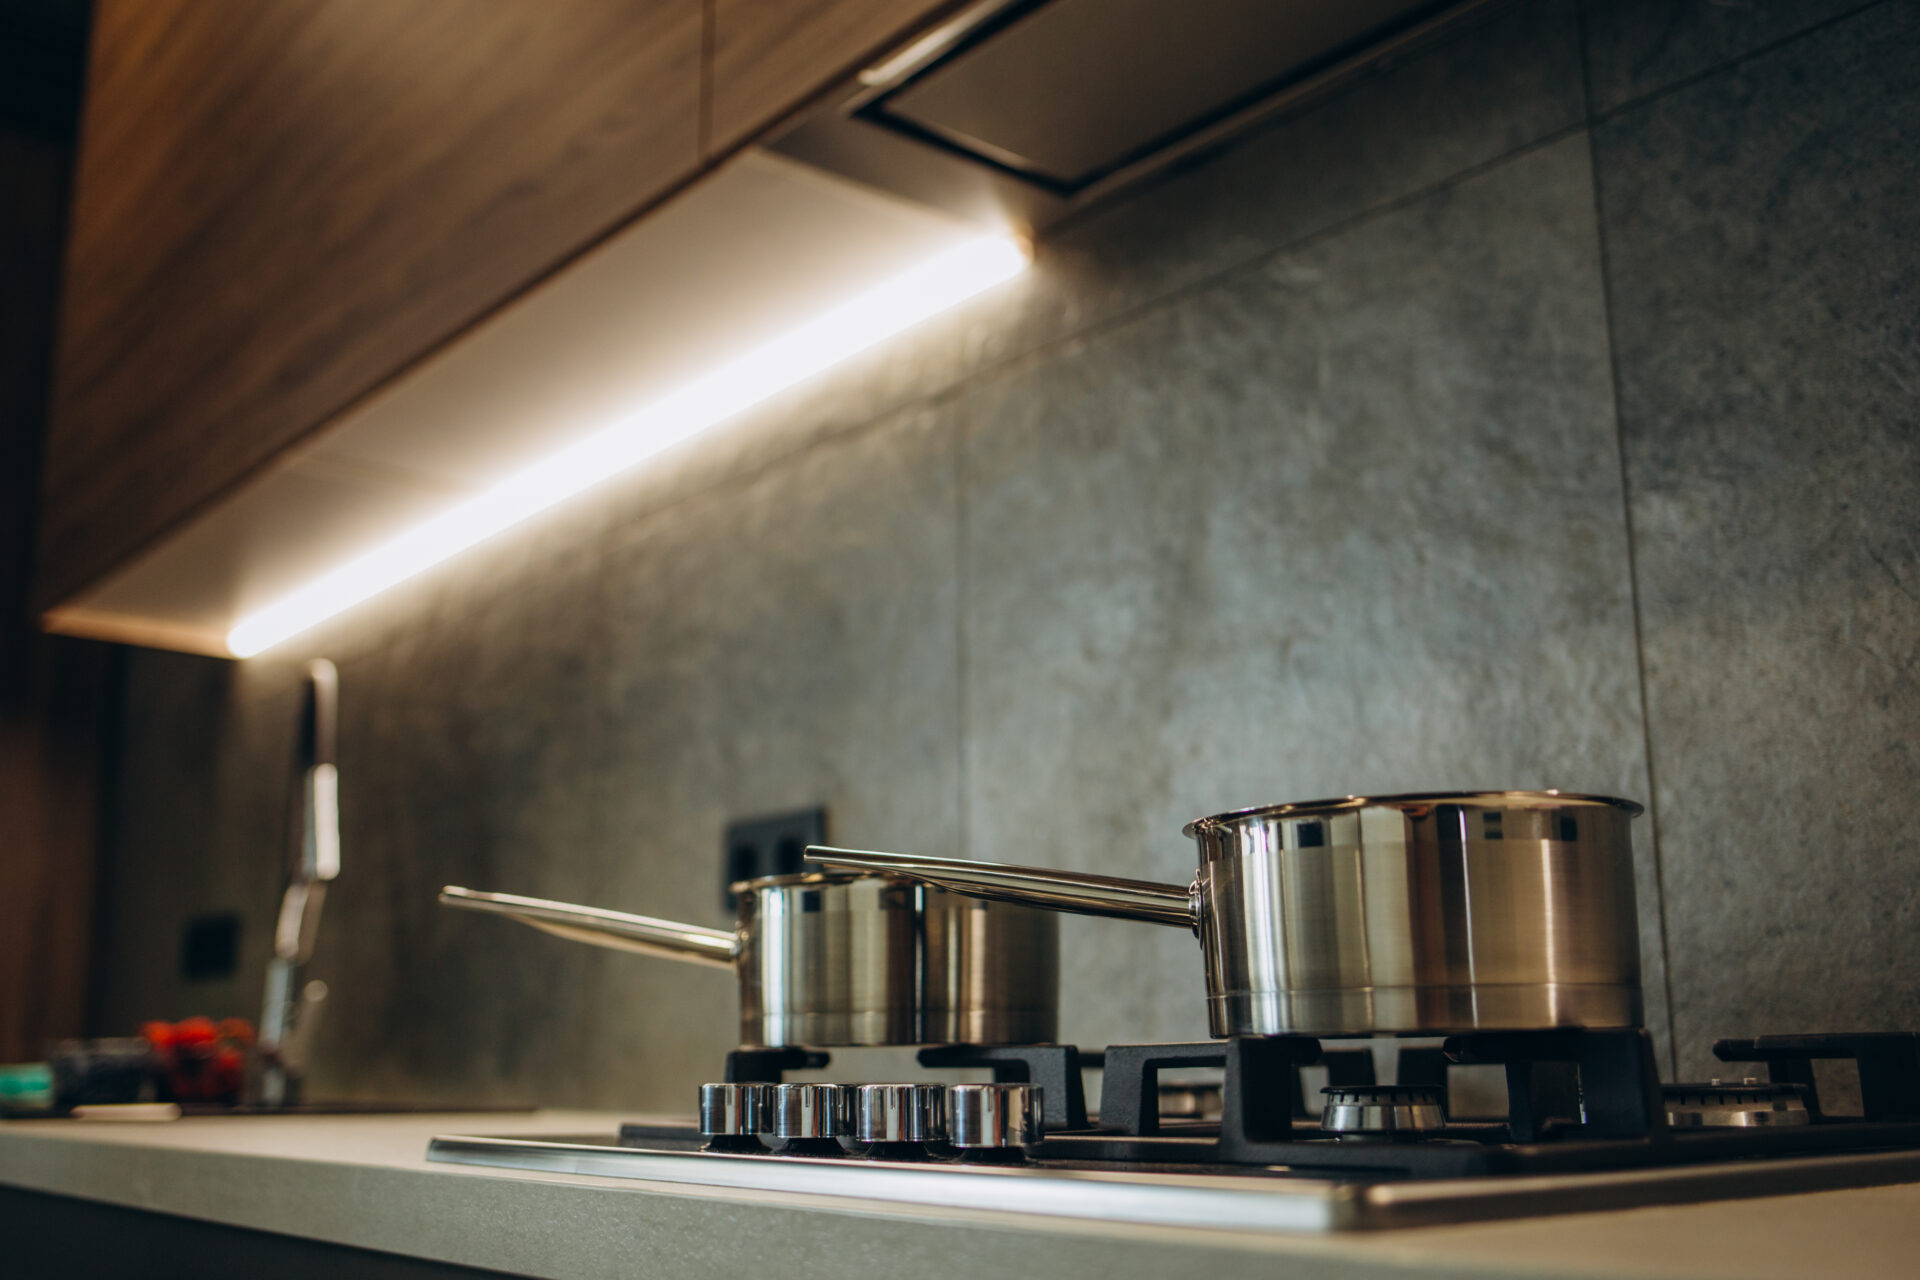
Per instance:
(1719,1104)
(1382,1110)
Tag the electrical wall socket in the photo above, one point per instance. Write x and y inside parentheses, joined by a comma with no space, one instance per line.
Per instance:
(210,946)
(773,845)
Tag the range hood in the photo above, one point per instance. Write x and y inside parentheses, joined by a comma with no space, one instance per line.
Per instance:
(1017,112)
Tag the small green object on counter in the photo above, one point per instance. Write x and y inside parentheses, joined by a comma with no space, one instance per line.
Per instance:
(26,1088)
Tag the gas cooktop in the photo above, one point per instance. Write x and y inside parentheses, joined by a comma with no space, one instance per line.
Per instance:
(1588,1126)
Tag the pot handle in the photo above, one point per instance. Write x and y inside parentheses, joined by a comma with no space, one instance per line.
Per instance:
(1031,886)
(602,928)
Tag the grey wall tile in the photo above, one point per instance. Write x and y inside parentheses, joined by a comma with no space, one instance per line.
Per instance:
(1638,47)
(1766,280)
(1350,521)
(802,632)
(468,751)
(787,645)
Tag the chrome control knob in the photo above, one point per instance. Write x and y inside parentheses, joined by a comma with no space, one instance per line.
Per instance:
(994,1116)
(900,1113)
(812,1111)
(734,1110)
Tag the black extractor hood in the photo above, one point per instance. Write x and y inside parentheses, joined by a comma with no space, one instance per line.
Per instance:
(1017,112)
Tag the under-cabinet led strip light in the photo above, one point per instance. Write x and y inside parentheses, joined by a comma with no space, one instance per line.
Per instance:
(948,278)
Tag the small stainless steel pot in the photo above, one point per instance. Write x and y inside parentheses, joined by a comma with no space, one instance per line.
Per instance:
(846,959)
(1416,914)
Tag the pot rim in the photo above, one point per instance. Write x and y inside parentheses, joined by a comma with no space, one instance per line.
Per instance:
(800,877)
(792,878)
(1551,799)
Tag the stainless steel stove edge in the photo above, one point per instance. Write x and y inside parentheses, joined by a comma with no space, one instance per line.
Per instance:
(1235,1202)
(1438,1202)
(1161,1199)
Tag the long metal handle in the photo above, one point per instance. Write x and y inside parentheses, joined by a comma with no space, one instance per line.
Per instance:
(1031,886)
(602,928)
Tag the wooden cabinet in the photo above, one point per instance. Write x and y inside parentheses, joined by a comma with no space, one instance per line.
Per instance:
(279,206)
(771,56)
(283,210)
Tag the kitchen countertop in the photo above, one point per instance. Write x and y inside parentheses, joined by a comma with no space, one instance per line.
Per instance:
(364,1181)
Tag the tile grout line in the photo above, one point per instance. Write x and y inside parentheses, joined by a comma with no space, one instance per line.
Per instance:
(1633,565)
(110,818)
(962,585)
(1707,73)
(703,124)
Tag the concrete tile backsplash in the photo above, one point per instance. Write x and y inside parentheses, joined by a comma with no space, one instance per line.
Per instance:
(1300,472)
(1762,229)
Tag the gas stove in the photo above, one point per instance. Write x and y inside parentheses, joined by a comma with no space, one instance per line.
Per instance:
(1588,1125)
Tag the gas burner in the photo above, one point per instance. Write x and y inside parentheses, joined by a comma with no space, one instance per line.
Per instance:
(1393,1111)
(1202,1101)
(1748,1104)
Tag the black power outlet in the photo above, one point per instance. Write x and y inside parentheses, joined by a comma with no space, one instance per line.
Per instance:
(210,947)
(773,845)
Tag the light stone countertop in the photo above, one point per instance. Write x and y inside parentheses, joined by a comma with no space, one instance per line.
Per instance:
(364,1181)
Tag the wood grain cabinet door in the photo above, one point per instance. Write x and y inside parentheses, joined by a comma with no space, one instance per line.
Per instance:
(280,204)
(770,56)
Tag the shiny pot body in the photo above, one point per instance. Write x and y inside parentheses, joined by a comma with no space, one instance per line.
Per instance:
(874,961)
(1420,915)
(829,960)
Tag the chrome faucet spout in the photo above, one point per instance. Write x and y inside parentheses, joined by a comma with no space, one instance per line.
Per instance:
(290,1007)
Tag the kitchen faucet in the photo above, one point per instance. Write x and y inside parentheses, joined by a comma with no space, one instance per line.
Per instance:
(292,1009)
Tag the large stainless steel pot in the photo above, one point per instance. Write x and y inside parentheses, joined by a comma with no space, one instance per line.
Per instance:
(846,959)
(1417,914)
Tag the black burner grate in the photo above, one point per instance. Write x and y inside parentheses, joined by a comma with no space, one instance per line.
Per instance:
(1578,1100)
(1888,1062)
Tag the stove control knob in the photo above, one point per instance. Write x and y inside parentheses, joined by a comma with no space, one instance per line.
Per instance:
(812,1111)
(734,1110)
(900,1113)
(995,1116)
(1382,1110)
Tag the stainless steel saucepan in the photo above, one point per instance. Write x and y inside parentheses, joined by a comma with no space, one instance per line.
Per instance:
(1415,914)
(836,959)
